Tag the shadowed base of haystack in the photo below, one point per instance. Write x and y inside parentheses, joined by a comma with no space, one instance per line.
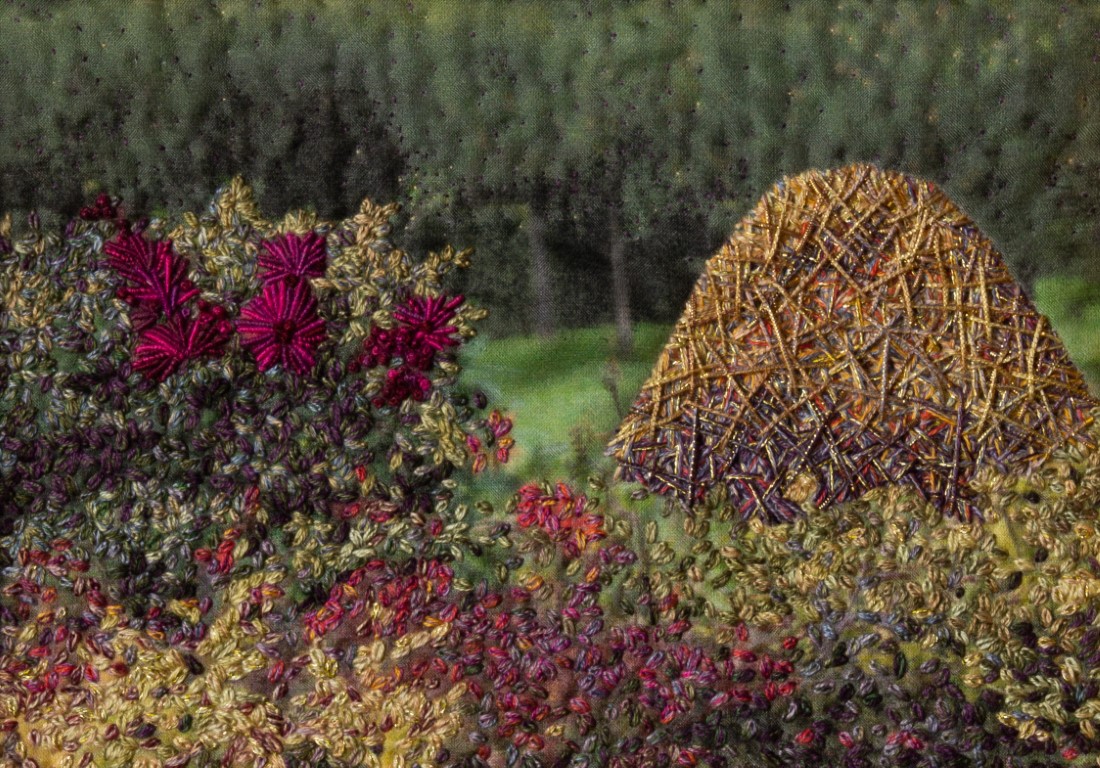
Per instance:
(856,329)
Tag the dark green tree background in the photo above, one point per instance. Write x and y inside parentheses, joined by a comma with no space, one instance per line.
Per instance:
(594,152)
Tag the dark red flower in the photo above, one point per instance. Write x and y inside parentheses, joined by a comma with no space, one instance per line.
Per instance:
(291,257)
(380,347)
(281,327)
(102,209)
(156,274)
(400,385)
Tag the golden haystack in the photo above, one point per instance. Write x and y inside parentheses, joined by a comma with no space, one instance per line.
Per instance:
(856,329)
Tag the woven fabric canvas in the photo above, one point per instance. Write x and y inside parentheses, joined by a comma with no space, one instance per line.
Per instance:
(531,384)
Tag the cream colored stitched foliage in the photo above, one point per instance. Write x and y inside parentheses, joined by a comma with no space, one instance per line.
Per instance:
(987,599)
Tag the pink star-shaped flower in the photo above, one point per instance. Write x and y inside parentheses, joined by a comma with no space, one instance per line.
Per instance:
(429,318)
(292,257)
(281,327)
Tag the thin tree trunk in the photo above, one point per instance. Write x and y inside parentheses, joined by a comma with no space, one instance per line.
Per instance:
(542,284)
(620,288)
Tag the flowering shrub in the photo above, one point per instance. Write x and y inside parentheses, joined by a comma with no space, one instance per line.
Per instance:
(188,404)
(215,374)
(234,531)
(547,667)
(231,531)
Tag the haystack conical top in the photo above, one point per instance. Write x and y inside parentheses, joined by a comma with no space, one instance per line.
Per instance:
(856,329)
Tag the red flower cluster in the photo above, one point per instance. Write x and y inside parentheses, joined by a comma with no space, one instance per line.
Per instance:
(281,326)
(499,427)
(423,329)
(691,664)
(220,561)
(411,595)
(542,678)
(562,514)
(101,210)
(402,384)
(159,292)
(53,653)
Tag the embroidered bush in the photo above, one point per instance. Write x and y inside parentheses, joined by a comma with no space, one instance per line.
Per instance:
(235,528)
(197,443)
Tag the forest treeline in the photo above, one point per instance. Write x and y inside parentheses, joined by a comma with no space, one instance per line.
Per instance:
(594,153)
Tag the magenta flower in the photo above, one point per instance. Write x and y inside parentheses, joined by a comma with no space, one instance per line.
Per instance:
(157,275)
(429,319)
(423,329)
(281,327)
(291,257)
(162,349)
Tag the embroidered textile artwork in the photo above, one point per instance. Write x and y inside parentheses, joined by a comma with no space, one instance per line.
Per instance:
(241,521)
(857,329)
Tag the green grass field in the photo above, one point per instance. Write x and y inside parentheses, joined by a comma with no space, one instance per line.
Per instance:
(1073,306)
(556,389)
